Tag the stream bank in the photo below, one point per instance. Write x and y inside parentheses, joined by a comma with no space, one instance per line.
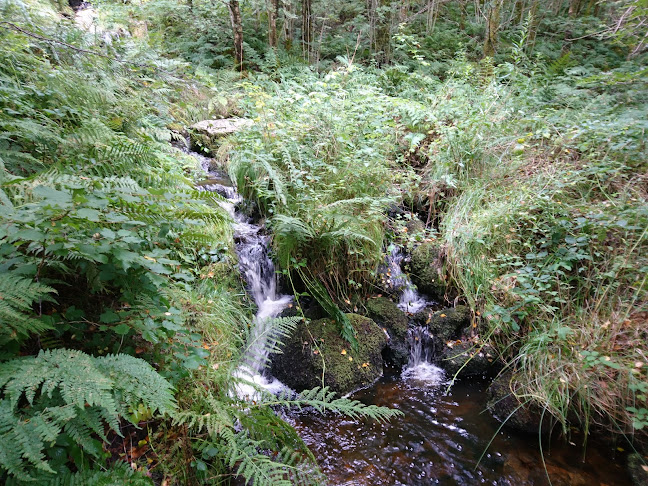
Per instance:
(447,435)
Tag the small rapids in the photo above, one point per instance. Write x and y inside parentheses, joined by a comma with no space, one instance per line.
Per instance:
(256,266)
(420,371)
(410,300)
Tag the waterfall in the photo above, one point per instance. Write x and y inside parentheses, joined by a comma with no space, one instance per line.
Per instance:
(410,300)
(419,368)
(257,268)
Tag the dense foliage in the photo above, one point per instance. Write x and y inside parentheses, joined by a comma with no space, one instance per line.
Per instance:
(122,319)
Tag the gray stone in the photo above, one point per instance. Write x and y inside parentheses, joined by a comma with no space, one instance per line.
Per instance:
(465,359)
(221,128)
(515,415)
(206,135)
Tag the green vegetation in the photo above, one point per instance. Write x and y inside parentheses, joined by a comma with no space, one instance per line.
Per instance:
(518,178)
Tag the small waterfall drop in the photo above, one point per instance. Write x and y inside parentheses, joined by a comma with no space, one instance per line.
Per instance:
(257,268)
(410,300)
(419,368)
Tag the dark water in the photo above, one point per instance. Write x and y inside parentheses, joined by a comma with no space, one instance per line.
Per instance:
(440,441)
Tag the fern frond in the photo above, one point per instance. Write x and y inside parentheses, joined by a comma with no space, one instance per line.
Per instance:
(72,392)
(17,295)
(265,338)
(118,474)
(324,400)
(319,292)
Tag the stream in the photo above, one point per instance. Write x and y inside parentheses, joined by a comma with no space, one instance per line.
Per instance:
(445,436)
(441,439)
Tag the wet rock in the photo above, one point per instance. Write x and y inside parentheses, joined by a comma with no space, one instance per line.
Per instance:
(638,469)
(464,359)
(316,349)
(517,416)
(387,315)
(426,270)
(206,134)
(445,324)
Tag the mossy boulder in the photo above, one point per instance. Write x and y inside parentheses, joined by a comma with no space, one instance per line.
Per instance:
(515,415)
(465,359)
(638,469)
(316,348)
(387,315)
(426,270)
(445,324)
(206,135)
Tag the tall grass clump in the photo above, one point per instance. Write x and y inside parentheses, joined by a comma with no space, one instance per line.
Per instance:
(545,231)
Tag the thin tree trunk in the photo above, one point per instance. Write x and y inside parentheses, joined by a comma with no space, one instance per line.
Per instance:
(518,12)
(307,28)
(574,8)
(383,32)
(533,26)
(404,10)
(464,14)
(492,26)
(273,13)
(237,29)
(289,25)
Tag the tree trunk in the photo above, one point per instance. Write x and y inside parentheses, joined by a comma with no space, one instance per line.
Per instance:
(288,25)
(383,32)
(273,13)
(307,28)
(404,11)
(492,26)
(518,12)
(237,29)
(574,8)
(464,14)
(533,26)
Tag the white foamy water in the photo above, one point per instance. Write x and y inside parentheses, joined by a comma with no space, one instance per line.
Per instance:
(425,373)
(410,300)
(258,270)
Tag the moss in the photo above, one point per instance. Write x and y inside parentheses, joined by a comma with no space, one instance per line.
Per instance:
(316,349)
(445,324)
(387,314)
(426,270)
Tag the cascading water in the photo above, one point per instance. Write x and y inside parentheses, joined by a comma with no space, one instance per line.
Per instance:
(421,343)
(419,367)
(259,272)
(410,300)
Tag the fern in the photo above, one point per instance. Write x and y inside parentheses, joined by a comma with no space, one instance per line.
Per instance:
(17,295)
(118,474)
(323,400)
(318,291)
(265,338)
(72,392)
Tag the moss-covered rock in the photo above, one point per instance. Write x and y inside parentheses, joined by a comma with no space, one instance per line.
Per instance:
(316,349)
(445,324)
(206,135)
(517,416)
(465,359)
(638,469)
(387,315)
(426,270)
